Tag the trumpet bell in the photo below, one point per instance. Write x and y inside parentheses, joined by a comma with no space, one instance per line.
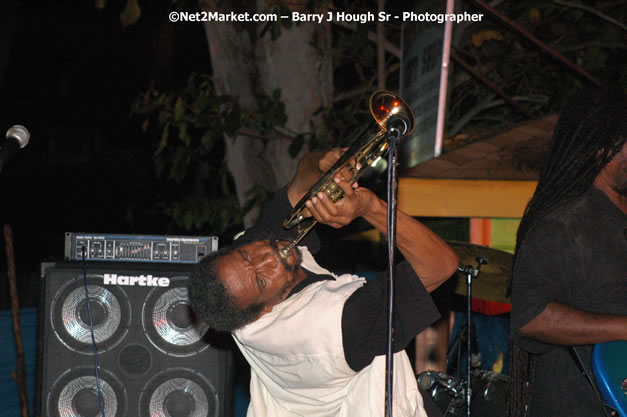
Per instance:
(385,104)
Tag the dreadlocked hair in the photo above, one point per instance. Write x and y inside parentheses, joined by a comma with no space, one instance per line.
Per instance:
(592,128)
(210,299)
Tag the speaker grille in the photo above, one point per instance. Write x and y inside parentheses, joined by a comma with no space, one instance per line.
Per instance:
(169,322)
(75,394)
(75,314)
(155,360)
(111,315)
(179,392)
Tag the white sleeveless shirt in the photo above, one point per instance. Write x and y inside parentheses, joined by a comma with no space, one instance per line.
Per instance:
(297,359)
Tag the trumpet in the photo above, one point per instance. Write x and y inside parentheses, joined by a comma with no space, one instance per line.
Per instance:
(369,144)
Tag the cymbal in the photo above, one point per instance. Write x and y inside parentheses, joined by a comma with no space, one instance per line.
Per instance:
(491,283)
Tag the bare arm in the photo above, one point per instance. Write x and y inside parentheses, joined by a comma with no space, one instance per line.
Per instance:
(430,257)
(560,324)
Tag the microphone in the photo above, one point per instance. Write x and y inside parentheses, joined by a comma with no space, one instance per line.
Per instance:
(399,123)
(16,138)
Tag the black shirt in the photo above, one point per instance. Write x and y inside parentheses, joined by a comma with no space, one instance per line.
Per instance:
(364,318)
(576,256)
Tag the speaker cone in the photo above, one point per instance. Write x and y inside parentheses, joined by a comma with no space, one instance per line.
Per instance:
(169,321)
(179,392)
(108,307)
(75,394)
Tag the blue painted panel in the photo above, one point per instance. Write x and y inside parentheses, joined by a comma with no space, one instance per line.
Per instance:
(8,363)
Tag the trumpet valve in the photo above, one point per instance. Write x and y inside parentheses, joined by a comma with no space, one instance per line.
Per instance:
(333,191)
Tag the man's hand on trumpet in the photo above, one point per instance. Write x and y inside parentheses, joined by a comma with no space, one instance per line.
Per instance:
(355,203)
(311,167)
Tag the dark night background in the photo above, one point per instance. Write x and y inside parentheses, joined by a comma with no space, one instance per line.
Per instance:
(69,73)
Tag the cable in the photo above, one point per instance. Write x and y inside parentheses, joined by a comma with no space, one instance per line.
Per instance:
(91,329)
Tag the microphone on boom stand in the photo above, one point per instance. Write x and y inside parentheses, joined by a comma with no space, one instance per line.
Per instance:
(17,137)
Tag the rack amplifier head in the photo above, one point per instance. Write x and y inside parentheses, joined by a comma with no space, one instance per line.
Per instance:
(138,248)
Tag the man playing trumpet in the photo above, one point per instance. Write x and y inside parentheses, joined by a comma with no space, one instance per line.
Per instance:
(316,341)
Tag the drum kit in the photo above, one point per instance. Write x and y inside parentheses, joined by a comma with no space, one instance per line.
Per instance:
(478,392)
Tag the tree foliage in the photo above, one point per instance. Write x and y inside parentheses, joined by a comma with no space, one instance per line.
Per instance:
(188,125)
(532,77)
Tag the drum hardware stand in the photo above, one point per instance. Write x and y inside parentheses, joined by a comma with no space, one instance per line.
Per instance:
(456,347)
(470,274)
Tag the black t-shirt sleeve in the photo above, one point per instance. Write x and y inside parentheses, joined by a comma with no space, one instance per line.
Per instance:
(364,318)
(540,276)
(270,225)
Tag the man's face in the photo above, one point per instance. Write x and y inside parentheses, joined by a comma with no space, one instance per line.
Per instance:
(256,273)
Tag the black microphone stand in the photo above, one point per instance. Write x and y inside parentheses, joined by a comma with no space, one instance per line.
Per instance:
(394,136)
(470,274)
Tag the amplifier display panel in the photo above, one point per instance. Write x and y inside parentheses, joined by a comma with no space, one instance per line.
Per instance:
(138,248)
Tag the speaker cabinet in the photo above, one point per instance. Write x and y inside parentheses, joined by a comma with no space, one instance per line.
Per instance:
(153,358)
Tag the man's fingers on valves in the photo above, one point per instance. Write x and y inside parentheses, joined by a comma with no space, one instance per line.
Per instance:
(345,185)
(324,210)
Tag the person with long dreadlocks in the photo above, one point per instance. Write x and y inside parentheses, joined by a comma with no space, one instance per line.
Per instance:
(569,282)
